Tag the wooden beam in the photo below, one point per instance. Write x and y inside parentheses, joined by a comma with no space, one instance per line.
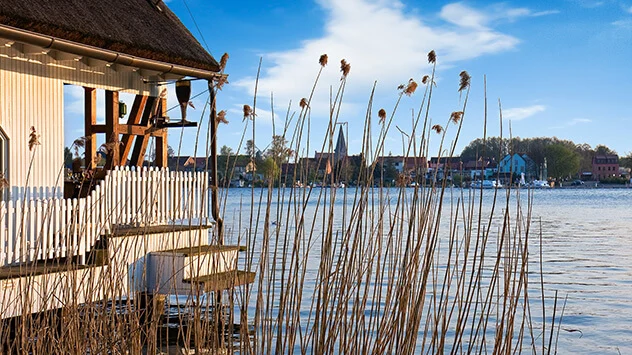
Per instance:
(29,49)
(139,130)
(91,62)
(90,119)
(162,149)
(134,117)
(62,56)
(145,73)
(134,130)
(111,128)
(170,76)
(140,143)
(99,128)
(121,68)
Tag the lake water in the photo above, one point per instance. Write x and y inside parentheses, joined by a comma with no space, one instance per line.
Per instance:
(586,253)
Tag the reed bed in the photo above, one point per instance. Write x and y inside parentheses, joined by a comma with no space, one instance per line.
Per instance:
(360,270)
(369,269)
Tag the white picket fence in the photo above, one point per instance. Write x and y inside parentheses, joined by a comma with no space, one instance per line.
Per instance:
(39,229)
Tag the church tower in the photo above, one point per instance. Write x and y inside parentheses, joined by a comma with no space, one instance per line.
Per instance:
(340,151)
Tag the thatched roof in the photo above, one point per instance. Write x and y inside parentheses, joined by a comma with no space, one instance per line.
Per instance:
(141,28)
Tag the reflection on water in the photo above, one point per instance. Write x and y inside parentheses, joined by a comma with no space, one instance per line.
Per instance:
(586,258)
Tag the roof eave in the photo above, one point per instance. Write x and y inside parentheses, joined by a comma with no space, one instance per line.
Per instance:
(49,42)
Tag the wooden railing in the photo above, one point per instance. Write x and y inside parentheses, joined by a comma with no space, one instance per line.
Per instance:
(41,229)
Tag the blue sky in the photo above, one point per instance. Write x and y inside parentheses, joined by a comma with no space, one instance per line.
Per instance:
(560,68)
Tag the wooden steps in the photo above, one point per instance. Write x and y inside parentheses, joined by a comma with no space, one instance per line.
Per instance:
(223,280)
(40,268)
(159,260)
(184,270)
(204,249)
(125,231)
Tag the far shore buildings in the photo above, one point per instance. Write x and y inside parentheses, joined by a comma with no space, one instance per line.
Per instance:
(605,166)
(512,165)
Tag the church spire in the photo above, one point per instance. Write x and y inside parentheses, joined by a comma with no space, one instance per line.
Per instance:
(341,146)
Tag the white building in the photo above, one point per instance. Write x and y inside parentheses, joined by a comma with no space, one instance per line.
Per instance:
(132,46)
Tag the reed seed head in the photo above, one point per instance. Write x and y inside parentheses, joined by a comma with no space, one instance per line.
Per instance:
(4,183)
(456,116)
(345,68)
(465,81)
(382,115)
(247,112)
(80,142)
(437,128)
(432,57)
(223,61)
(410,88)
(221,117)
(323,60)
(220,82)
(33,138)
(108,147)
(303,103)
(425,79)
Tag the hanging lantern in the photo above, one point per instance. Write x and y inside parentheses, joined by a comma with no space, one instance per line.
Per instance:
(183,93)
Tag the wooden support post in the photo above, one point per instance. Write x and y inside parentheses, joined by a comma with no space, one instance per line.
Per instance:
(111,128)
(213,167)
(140,143)
(134,118)
(161,141)
(151,308)
(90,120)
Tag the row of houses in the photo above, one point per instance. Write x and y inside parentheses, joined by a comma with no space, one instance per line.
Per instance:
(345,167)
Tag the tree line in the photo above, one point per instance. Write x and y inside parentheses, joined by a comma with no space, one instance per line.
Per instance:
(564,158)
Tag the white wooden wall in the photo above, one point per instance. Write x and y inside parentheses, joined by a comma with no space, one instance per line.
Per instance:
(32,94)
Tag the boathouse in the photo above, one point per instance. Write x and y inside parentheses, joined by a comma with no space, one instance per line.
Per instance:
(124,228)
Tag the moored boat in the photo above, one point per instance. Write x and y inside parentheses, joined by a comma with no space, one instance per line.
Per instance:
(486,184)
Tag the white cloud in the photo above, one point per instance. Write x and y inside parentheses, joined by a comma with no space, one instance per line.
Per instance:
(544,13)
(573,122)
(589,4)
(629,10)
(520,113)
(623,24)
(578,120)
(464,16)
(382,40)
